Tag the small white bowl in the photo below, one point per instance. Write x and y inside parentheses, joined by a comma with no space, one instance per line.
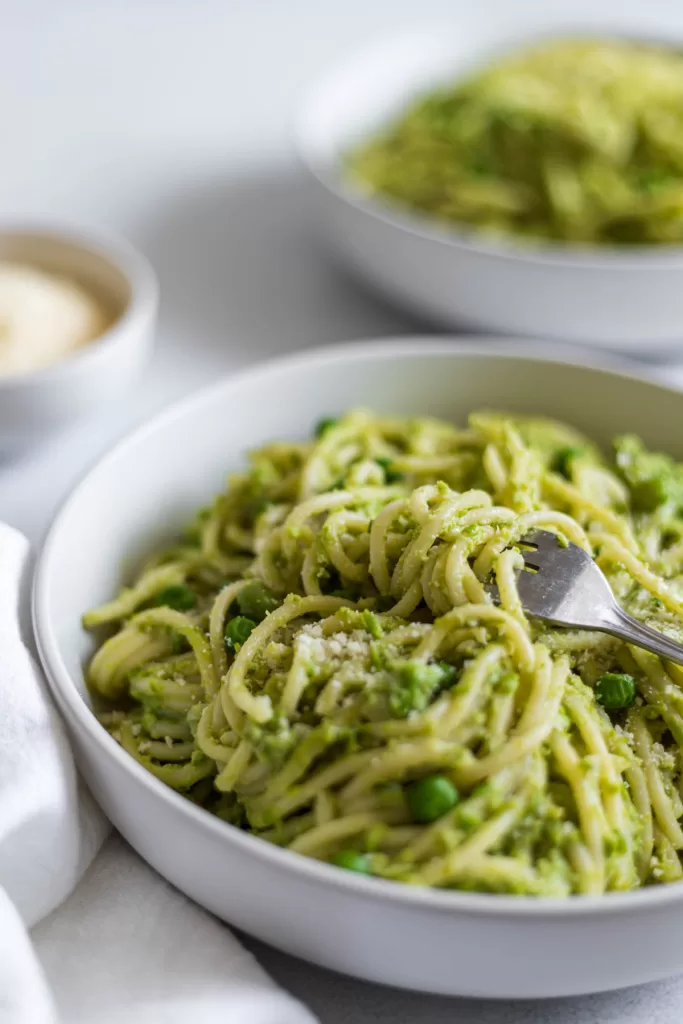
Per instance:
(629,299)
(34,405)
(145,489)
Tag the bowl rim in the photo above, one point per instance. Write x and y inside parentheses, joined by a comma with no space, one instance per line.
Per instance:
(134,318)
(79,715)
(328,174)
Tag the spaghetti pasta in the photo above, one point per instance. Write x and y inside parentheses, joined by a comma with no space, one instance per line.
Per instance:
(318,661)
(570,139)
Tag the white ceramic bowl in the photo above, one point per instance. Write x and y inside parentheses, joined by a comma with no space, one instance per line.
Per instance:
(34,405)
(449,942)
(610,297)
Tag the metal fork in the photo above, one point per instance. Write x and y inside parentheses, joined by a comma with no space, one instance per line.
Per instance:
(567,588)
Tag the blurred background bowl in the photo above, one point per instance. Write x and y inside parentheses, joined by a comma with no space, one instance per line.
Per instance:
(628,299)
(35,405)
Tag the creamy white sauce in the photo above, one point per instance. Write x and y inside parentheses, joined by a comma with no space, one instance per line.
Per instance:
(43,318)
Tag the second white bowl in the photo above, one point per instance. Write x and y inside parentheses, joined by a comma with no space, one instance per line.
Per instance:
(614,298)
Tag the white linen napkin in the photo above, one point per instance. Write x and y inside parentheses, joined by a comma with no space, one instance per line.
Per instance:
(111,942)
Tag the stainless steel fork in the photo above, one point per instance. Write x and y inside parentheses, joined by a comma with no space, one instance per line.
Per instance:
(567,588)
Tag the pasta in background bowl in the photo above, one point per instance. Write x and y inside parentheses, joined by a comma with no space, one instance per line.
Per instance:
(445,174)
(140,497)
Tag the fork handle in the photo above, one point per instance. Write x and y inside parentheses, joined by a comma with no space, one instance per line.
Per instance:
(624,626)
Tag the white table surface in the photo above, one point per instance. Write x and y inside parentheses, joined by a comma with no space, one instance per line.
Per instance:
(169,120)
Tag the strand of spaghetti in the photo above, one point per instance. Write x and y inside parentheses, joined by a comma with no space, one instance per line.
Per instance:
(317,466)
(297,677)
(172,752)
(661,804)
(395,763)
(637,784)
(253,779)
(655,686)
(211,532)
(310,569)
(564,524)
(131,598)
(269,565)
(467,696)
(197,640)
(585,790)
(410,562)
(309,749)
(431,581)
(379,532)
(445,831)
(283,833)
(324,807)
(506,874)
(295,522)
(336,687)
(556,487)
(537,721)
(668,868)
(457,568)
(521,648)
(409,601)
(612,551)
(226,780)
(501,719)
(206,742)
(467,856)
(181,777)
(321,837)
(261,814)
(509,564)
(621,863)
(260,707)
(162,728)
(219,610)
(581,861)
(494,467)
(119,655)
(571,641)
(239,537)
(420,501)
(483,515)
(395,837)
(525,473)
(337,525)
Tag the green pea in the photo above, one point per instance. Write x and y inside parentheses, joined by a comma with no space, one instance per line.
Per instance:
(615,690)
(390,475)
(351,860)
(430,798)
(325,424)
(237,631)
(648,495)
(564,458)
(179,597)
(256,601)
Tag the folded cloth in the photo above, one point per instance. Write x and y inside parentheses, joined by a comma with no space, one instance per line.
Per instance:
(120,945)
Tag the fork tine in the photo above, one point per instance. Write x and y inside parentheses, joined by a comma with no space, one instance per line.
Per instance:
(543,540)
(493,592)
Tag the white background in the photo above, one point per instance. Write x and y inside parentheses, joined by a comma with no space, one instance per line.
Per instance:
(169,120)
